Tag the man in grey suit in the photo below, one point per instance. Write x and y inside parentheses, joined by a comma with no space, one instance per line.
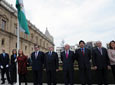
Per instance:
(100,62)
(67,57)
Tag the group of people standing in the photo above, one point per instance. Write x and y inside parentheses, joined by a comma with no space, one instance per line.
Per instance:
(101,58)
(9,66)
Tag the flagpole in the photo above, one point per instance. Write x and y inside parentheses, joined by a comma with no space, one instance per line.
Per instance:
(18,47)
(21,23)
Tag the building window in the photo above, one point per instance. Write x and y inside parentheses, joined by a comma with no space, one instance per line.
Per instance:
(15,31)
(3,42)
(25,47)
(44,44)
(32,36)
(32,49)
(25,36)
(36,39)
(40,42)
(47,45)
(3,25)
(16,45)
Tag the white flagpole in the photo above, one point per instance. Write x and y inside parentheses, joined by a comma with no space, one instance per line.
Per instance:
(18,47)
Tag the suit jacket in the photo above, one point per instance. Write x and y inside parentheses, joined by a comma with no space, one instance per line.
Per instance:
(83,59)
(13,60)
(4,60)
(101,61)
(51,61)
(37,64)
(68,62)
(13,63)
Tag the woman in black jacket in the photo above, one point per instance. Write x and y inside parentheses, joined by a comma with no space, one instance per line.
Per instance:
(13,70)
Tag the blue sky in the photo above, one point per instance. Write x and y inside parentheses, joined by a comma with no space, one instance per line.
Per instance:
(73,20)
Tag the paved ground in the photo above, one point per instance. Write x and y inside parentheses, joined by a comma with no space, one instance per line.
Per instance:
(45,84)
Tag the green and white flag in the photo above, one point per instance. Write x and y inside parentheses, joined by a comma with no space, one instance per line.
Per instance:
(21,16)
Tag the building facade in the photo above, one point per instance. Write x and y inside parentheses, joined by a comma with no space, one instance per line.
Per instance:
(8,32)
(90,44)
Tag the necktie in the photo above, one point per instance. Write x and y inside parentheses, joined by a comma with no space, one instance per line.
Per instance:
(82,51)
(49,57)
(100,50)
(50,53)
(66,55)
(36,54)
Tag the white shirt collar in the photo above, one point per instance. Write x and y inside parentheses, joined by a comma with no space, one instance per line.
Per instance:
(99,47)
(37,52)
(67,51)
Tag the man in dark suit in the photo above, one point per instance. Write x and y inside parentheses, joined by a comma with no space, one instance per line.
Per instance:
(67,58)
(83,56)
(101,62)
(4,64)
(37,59)
(51,65)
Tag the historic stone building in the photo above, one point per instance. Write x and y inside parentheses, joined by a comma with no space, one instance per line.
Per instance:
(8,32)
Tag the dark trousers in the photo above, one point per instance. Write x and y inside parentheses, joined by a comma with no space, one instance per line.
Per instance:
(113,71)
(3,71)
(102,76)
(85,76)
(37,77)
(51,77)
(22,76)
(13,74)
(68,77)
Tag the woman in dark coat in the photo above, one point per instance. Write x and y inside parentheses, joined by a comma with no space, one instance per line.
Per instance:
(22,67)
(13,71)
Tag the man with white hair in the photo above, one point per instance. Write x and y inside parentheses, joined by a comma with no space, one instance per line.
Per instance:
(100,62)
(67,57)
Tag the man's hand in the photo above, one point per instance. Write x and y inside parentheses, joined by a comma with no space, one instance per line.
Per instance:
(1,67)
(57,70)
(15,60)
(44,69)
(7,66)
(95,67)
(108,67)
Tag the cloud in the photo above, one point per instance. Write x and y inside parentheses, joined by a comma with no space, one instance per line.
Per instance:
(73,20)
